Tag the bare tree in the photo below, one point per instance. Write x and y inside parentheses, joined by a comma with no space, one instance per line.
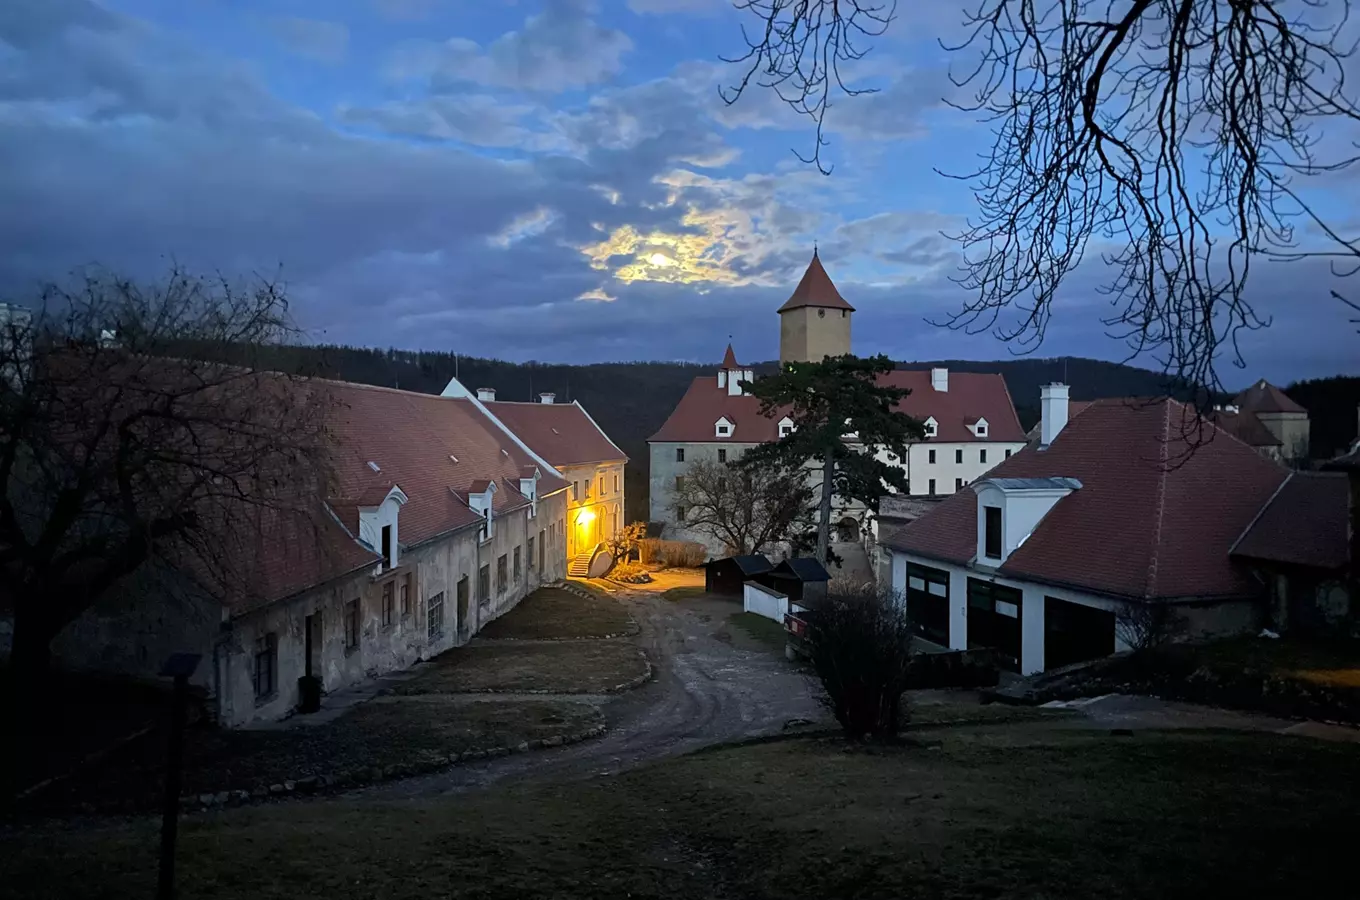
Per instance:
(1143,626)
(1170,137)
(122,452)
(860,642)
(747,508)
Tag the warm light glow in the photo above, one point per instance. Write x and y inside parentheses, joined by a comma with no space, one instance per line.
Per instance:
(585,517)
(660,259)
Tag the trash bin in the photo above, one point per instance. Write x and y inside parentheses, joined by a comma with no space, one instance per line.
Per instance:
(309,694)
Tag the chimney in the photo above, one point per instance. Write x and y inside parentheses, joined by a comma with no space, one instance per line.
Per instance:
(939,380)
(488,394)
(547,398)
(1053,412)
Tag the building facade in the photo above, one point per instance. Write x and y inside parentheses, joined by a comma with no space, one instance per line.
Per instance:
(969,418)
(440,520)
(1056,554)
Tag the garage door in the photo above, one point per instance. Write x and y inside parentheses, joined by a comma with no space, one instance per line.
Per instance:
(1074,633)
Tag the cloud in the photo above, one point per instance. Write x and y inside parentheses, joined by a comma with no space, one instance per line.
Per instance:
(556,50)
(691,7)
(483,120)
(525,225)
(596,295)
(314,39)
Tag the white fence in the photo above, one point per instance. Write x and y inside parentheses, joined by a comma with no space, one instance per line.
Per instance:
(758,599)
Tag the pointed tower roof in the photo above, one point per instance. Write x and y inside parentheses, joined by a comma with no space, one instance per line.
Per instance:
(816,289)
(1264,397)
(730,359)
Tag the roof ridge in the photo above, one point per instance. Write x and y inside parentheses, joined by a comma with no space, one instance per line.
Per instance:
(1150,585)
(1260,512)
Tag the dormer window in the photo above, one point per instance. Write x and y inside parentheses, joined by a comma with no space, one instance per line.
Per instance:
(528,486)
(785,427)
(724,427)
(1009,509)
(481,501)
(978,426)
(931,426)
(378,526)
(982,429)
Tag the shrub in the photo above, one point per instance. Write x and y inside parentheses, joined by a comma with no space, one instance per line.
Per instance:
(630,573)
(671,554)
(860,647)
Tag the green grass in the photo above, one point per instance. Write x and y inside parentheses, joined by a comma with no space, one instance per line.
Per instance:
(574,667)
(554,613)
(760,629)
(684,593)
(1007,812)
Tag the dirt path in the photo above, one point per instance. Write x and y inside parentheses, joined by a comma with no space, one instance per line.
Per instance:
(706,690)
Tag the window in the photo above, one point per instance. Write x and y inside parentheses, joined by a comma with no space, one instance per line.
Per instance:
(722,483)
(958,484)
(616,484)
(991,538)
(927,598)
(540,550)
(501,569)
(434,616)
(576,490)
(679,454)
(351,624)
(931,457)
(982,429)
(680,514)
(517,565)
(679,482)
(723,429)
(387,545)
(982,455)
(601,485)
(462,599)
(406,596)
(1008,454)
(844,313)
(484,585)
(958,456)
(722,455)
(529,554)
(932,487)
(785,430)
(266,665)
(389,604)
(931,428)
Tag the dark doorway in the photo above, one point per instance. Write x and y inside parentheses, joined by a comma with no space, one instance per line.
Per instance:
(847,530)
(928,602)
(463,623)
(311,636)
(994,621)
(1074,633)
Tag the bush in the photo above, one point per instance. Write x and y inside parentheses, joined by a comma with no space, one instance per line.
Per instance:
(860,647)
(672,554)
(630,573)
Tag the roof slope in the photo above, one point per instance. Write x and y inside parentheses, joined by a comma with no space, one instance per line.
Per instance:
(1246,427)
(1304,524)
(1074,409)
(1152,519)
(1264,397)
(970,396)
(816,289)
(561,433)
(414,440)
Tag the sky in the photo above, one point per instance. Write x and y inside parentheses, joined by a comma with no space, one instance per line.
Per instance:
(552,180)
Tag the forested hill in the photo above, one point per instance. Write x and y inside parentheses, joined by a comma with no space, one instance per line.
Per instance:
(630,400)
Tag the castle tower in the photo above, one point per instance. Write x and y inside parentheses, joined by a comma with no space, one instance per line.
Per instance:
(815,321)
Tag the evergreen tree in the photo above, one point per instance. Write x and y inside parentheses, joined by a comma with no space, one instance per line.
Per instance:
(842,416)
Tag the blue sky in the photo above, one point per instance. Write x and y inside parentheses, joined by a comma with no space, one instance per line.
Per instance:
(532,179)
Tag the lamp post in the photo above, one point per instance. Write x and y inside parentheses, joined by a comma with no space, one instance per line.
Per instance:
(180,666)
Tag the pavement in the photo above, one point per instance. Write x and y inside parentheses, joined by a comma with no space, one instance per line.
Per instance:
(708,689)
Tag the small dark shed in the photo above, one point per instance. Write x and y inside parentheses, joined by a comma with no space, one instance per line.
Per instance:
(801,579)
(726,575)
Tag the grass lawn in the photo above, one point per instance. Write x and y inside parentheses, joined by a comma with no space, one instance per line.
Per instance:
(758,631)
(575,667)
(684,593)
(554,613)
(1335,663)
(377,733)
(1008,812)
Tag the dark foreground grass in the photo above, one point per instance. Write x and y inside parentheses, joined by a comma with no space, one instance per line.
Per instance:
(550,613)
(377,733)
(1003,813)
(760,631)
(569,667)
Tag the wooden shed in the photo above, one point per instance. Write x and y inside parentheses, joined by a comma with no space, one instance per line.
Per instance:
(803,579)
(727,575)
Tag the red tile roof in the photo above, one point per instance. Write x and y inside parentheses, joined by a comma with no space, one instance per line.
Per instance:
(562,433)
(1264,397)
(413,438)
(970,395)
(1306,523)
(1074,409)
(1160,506)
(1246,427)
(816,289)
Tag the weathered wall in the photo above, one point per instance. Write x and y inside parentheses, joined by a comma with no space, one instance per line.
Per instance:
(662,474)
(1292,431)
(806,336)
